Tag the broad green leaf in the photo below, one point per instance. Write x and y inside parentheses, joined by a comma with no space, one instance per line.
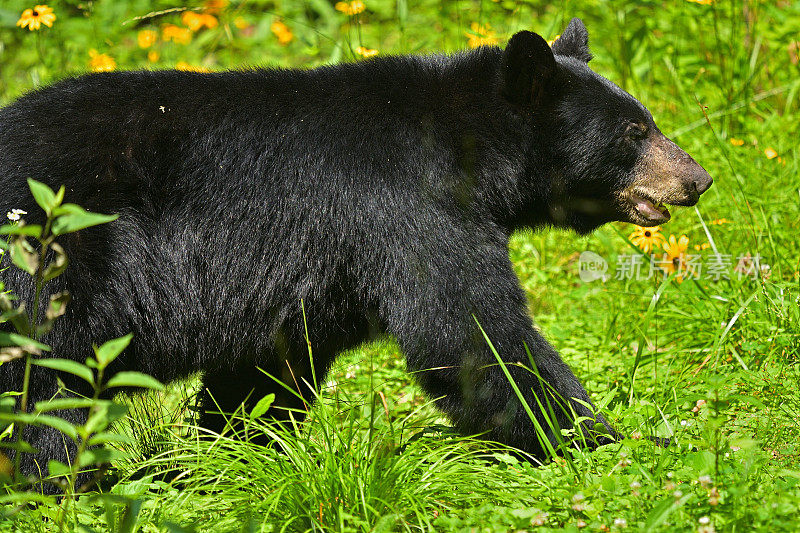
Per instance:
(76,218)
(30,230)
(134,379)
(69,366)
(57,468)
(58,423)
(100,455)
(43,195)
(262,406)
(63,403)
(14,339)
(68,209)
(110,350)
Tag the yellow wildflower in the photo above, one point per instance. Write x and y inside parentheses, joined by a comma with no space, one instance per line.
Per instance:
(152,56)
(481,35)
(197,21)
(675,257)
(171,32)
(647,239)
(146,38)
(241,23)
(770,153)
(34,18)
(101,62)
(366,52)
(350,8)
(676,247)
(281,31)
(720,221)
(737,142)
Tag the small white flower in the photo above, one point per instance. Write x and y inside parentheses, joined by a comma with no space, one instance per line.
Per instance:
(14,214)
(620,522)
(705,481)
(704,520)
(636,485)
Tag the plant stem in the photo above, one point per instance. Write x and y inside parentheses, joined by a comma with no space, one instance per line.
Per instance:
(23,402)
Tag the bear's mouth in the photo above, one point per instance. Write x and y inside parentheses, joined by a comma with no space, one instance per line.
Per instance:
(649,209)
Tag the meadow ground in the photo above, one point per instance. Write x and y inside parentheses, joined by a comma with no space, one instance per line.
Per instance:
(707,355)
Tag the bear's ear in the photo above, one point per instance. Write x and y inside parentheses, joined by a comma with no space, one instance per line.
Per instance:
(528,68)
(574,42)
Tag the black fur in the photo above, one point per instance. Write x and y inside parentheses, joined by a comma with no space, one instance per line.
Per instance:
(380,193)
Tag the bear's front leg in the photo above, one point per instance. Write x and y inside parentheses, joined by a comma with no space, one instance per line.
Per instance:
(437,324)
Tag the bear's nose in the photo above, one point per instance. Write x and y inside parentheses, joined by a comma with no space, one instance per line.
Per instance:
(702,181)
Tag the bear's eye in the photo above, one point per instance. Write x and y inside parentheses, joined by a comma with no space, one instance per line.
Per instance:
(636,131)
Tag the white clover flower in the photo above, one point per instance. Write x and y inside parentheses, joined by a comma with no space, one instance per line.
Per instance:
(704,520)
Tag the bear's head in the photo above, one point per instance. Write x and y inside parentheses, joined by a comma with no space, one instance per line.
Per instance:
(603,157)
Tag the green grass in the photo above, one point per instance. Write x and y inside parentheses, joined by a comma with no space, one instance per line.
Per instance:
(374,454)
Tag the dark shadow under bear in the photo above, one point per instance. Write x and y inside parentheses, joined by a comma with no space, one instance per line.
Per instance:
(381,194)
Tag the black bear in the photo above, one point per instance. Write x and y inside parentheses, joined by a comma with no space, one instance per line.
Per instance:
(381,194)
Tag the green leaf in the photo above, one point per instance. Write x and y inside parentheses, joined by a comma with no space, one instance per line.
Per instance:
(20,446)
(60,196)
(110,350)
(58,423)
(43,195)
(104,413)
(99,456)
(15,339)
(262,406)
(69,366)
(58,404)
(57,468)
(24,256)
(59,263)
(134,379)
(29,230)
(74,218)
